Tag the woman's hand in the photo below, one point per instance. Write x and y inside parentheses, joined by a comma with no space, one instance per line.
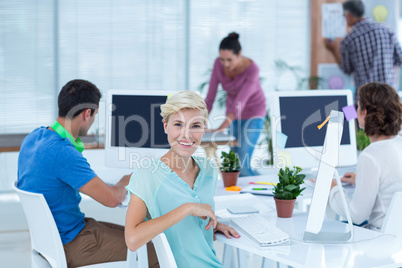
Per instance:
(204,211)
(226,230)
(349,177)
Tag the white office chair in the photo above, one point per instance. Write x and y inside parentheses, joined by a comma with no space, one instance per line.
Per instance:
(163,252)
(393,218)
(45,238)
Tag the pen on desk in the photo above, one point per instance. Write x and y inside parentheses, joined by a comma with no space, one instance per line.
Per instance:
(263,182)
(260,188)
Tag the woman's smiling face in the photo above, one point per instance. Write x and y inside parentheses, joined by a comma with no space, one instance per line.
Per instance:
(185,130)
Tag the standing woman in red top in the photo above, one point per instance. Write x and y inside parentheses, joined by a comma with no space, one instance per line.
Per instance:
(245,101)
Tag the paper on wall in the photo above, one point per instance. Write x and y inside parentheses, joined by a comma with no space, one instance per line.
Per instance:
(333,23)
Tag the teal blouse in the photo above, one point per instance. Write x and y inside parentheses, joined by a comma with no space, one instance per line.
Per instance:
(162,191)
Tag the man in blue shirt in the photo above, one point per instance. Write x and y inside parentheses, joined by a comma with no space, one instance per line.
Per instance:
(370,51)
(51,163)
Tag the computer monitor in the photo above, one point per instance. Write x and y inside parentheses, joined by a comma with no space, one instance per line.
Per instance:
(134,128)
(326,171)
(297,115)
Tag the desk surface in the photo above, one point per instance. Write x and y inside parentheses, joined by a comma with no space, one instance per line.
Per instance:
(272,176)
(368,248)
(12,142)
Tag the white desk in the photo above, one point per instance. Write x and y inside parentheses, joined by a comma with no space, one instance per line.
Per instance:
(369,248)
(303,200)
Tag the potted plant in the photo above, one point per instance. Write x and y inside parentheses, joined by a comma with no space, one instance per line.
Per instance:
(230,168)
(286,191)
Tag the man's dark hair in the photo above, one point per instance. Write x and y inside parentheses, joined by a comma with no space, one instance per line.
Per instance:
(77,96)
(355,7)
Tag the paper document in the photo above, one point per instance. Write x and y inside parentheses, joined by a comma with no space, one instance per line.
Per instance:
(333,23)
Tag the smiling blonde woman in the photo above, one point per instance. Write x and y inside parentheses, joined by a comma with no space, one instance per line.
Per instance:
(175,195)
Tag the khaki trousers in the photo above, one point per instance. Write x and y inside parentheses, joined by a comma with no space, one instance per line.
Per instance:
(101,242)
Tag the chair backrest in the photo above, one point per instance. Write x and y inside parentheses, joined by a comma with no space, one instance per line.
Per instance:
(45,238)
(163,252)
(393,218)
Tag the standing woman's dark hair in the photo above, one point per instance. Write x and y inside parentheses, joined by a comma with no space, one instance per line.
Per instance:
(384,109)
(231,42)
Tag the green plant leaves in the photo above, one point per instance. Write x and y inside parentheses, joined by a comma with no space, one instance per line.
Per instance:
(287,196)
(291,187)
(289,183)
(285,179)
(230,162)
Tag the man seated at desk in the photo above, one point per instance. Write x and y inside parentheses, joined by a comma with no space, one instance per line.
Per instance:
(50,162)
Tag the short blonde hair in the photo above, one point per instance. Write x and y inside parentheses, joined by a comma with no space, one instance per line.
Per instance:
(185,99)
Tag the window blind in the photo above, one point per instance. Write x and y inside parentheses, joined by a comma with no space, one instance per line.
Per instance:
(133,45)
(269,30)
(139,45)
(27,95)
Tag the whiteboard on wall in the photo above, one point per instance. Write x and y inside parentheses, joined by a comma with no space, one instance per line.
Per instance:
(333,23)
(333,77)
(384,11)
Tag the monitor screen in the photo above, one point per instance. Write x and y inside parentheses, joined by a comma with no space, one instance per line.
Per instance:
(136,121)
(296,114)
(134,127)
(299,114)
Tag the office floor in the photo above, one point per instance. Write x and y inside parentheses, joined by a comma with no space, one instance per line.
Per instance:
(14,236)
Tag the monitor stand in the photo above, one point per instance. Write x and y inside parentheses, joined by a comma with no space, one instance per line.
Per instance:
(333,237)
